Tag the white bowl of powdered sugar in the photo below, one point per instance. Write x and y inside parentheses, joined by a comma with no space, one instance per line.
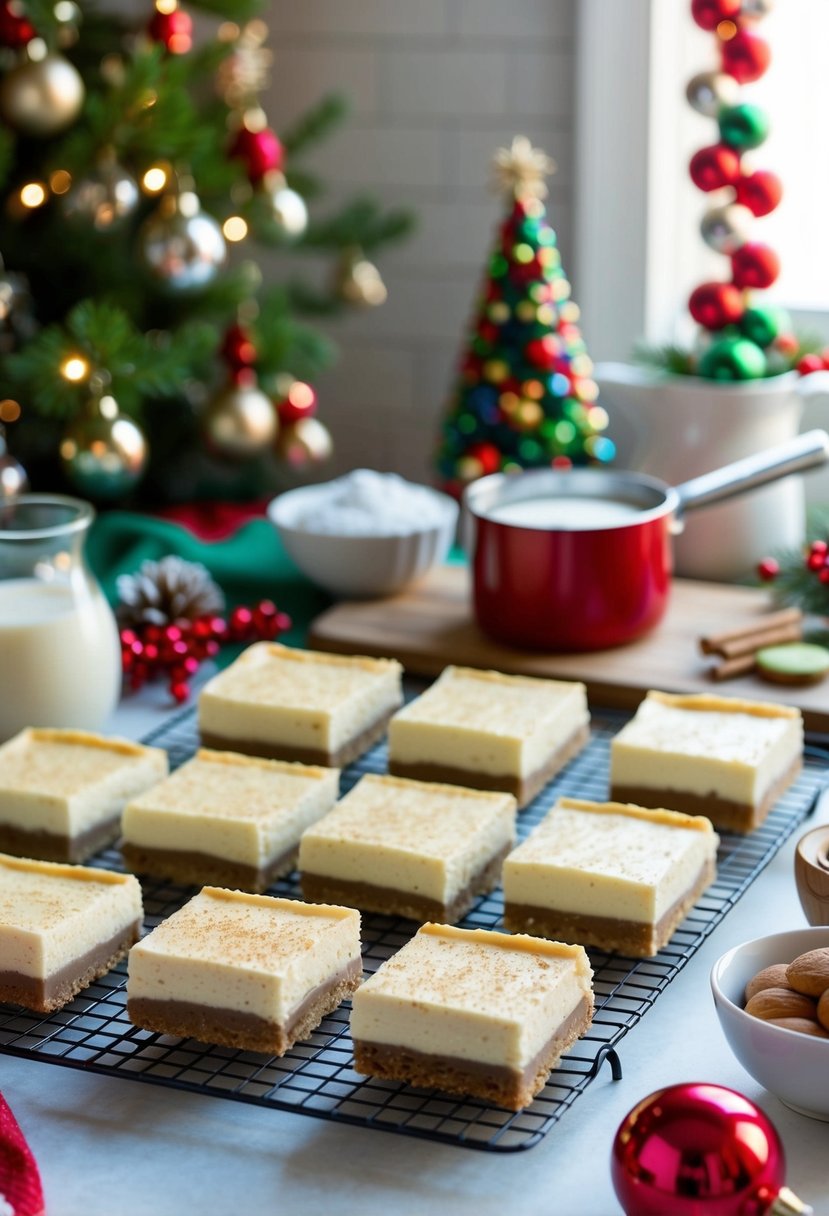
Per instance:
(366,534)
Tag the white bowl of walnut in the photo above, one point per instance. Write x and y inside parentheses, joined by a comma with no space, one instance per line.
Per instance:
(782,1039)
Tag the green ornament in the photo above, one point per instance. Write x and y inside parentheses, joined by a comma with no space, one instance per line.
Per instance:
(733,359)
(763,325)
(743,126)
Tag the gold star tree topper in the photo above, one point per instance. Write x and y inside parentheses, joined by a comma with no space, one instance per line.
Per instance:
(520,170)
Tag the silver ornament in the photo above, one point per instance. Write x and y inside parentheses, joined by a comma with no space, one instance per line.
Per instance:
(288,212)
(41,97)
(240,422)
(103,199)
(103,452)
(708,92)
(755,10)
(13,479)
(17,322)
(181,245)
(726,228)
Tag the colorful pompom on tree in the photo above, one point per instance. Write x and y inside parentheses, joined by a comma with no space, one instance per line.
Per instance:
(524,397)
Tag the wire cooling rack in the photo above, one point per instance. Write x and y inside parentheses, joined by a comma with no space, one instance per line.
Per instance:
(317,1077)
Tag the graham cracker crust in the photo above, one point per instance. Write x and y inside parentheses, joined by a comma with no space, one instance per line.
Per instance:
(524,789)
(723,813)
(246,1031)
(56,990)
(50,846)
(633,938)
(322,889)
(493,1083)
(203,869)
(304,755)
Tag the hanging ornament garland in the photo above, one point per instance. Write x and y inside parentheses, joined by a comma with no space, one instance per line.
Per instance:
(741,347)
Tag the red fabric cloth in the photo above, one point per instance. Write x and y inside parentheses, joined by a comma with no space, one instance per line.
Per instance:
(20,1188)
(213,520)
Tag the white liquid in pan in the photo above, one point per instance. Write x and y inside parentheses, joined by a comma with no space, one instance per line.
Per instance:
(571,512)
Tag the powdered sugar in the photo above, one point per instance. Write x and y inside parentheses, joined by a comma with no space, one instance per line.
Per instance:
(367,503)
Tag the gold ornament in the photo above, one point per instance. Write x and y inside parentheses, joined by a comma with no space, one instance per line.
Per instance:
(41,97)
(181,245)
(240,422)
(103,199)
(287,208)
(359,282)
(103,452)
(304,442)
(13,479)
(520,169)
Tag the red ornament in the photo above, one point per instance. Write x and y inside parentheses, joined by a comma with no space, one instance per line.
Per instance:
(746,56)
(542,352)
(697,1150)
(179,691)
(755,265)
(15,30)
(237,349)
(173,28)
(709,13)
(261,151)
(760,191)
(715,167)
(809,364)
(768,569)
(715,305)
(300,401)
(20,1184)
(487,456)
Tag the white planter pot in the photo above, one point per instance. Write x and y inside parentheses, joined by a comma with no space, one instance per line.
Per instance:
(676,427)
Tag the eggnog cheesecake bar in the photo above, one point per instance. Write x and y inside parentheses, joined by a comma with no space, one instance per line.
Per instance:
(61,927)
(288,704)
(490,731)
(721,757)
(408,848)
(226,819)
(608,874)
(245,971)
(473,1012)
(62,791)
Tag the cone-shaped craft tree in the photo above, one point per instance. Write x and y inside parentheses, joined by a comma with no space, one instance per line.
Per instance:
(524,397)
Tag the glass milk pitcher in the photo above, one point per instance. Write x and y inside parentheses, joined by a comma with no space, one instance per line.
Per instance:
(59,648)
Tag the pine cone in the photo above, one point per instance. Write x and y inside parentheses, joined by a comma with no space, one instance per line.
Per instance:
(165,591)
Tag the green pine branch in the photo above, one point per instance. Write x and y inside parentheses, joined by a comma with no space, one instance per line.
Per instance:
(318,123)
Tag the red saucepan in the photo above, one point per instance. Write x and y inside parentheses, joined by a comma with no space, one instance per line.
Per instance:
(582,560)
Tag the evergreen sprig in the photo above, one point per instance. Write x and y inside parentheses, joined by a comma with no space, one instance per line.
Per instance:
(796,583)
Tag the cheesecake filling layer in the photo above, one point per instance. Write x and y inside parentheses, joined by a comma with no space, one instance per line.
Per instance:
(486,722)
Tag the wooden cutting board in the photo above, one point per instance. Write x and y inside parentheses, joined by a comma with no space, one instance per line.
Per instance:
(430,626)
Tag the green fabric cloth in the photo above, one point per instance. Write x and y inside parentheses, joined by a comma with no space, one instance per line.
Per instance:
(250,565)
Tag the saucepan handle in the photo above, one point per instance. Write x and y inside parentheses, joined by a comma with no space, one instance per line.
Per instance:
(795,456)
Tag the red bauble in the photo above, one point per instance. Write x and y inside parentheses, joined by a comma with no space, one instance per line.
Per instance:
(237,349)
(15,31)
(714,167)
(715,305)
(300,401)
(697,1149)
(173,29)
(709,13)
(755,266)
(768,569)
(542,353)
(746,56)
(487,455)
(809,364)
(261,151)
(760,191)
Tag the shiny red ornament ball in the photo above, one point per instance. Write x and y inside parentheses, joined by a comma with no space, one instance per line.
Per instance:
(760,191)
(542,353)
(173,29)
(715,305)
(809,364)
(746,56)
(487,455)
(697,1150)
(768,569)
(754,265)
(300,401)
(16,31)
(237,349)
(261,152)
(715,167)
(709,13)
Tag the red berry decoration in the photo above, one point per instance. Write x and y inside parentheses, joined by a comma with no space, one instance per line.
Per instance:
(760,191)
(709,13)
(746,56)
(179,691)
(173,27)
(809,364)
(755,266)
(716,305)
(300,401)
(715,167)
(768,569)
(261,152)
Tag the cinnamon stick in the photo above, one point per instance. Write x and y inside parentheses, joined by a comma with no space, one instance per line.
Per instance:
(756,641)
(728,668)
(714,643)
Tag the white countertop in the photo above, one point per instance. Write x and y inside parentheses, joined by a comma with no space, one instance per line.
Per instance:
(112,1147)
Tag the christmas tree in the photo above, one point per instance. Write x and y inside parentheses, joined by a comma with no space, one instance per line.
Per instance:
(524,397)
(138,343)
